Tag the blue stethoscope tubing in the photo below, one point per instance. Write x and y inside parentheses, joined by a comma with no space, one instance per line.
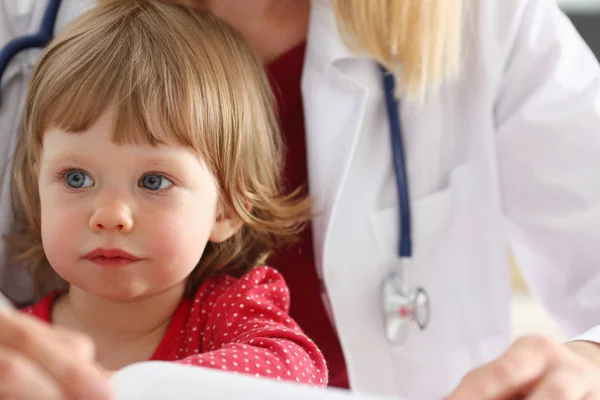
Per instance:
(399,161)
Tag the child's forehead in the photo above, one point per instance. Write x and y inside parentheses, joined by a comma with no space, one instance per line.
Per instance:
(101,139)
(97,149)
(117,127)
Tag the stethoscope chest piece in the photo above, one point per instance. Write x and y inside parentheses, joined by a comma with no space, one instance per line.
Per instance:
(404,309)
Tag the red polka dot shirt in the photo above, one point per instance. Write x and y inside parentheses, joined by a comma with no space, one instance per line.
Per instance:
(239,325)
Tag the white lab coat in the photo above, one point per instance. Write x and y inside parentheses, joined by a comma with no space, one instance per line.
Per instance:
(507,155)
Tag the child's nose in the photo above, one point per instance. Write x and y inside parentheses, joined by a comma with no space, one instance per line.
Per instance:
(112,217)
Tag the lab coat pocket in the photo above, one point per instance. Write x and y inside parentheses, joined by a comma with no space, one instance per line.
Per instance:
(440,224)
(430,214)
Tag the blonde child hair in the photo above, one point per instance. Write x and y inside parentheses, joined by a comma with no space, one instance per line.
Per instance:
(196,84)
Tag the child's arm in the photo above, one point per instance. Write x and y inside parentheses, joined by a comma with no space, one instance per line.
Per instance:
(248,330)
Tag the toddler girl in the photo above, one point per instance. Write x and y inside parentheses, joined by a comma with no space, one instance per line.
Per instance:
(148,178)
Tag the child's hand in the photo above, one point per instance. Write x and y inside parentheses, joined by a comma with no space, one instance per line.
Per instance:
(41,362)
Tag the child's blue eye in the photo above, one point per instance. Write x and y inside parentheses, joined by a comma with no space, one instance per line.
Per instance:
(155,182)
(78,180)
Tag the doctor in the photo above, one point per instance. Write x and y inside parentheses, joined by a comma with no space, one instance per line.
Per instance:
(499,116)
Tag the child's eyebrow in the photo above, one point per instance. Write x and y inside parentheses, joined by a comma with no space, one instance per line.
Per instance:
(160,162)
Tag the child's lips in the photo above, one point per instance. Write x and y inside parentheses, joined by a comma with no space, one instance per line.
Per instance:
(111,257)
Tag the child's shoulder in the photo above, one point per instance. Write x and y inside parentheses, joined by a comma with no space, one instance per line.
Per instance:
(259,283)
(260,275)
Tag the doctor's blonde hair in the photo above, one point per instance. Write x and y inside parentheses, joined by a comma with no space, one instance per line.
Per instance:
(418,40)
(174,76)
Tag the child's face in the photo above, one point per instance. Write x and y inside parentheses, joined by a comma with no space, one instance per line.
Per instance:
(159,204)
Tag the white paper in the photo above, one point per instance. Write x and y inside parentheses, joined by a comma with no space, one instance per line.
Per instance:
(155,380)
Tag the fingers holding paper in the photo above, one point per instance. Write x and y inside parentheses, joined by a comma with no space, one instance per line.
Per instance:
(40,362)
(534,368)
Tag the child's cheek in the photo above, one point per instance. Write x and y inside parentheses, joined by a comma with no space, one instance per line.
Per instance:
(62,233)
(178,242)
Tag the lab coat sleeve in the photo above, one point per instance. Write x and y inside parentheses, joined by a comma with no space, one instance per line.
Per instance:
(548,137)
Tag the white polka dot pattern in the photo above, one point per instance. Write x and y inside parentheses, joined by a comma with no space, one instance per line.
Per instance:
(246,329)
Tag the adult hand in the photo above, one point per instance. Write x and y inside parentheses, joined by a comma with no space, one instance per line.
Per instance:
(41,362)
(536,368)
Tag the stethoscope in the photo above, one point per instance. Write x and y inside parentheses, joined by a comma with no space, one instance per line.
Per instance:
(405,308)
(37,40)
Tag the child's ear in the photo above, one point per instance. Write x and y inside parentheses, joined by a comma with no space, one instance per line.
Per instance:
(228,223)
